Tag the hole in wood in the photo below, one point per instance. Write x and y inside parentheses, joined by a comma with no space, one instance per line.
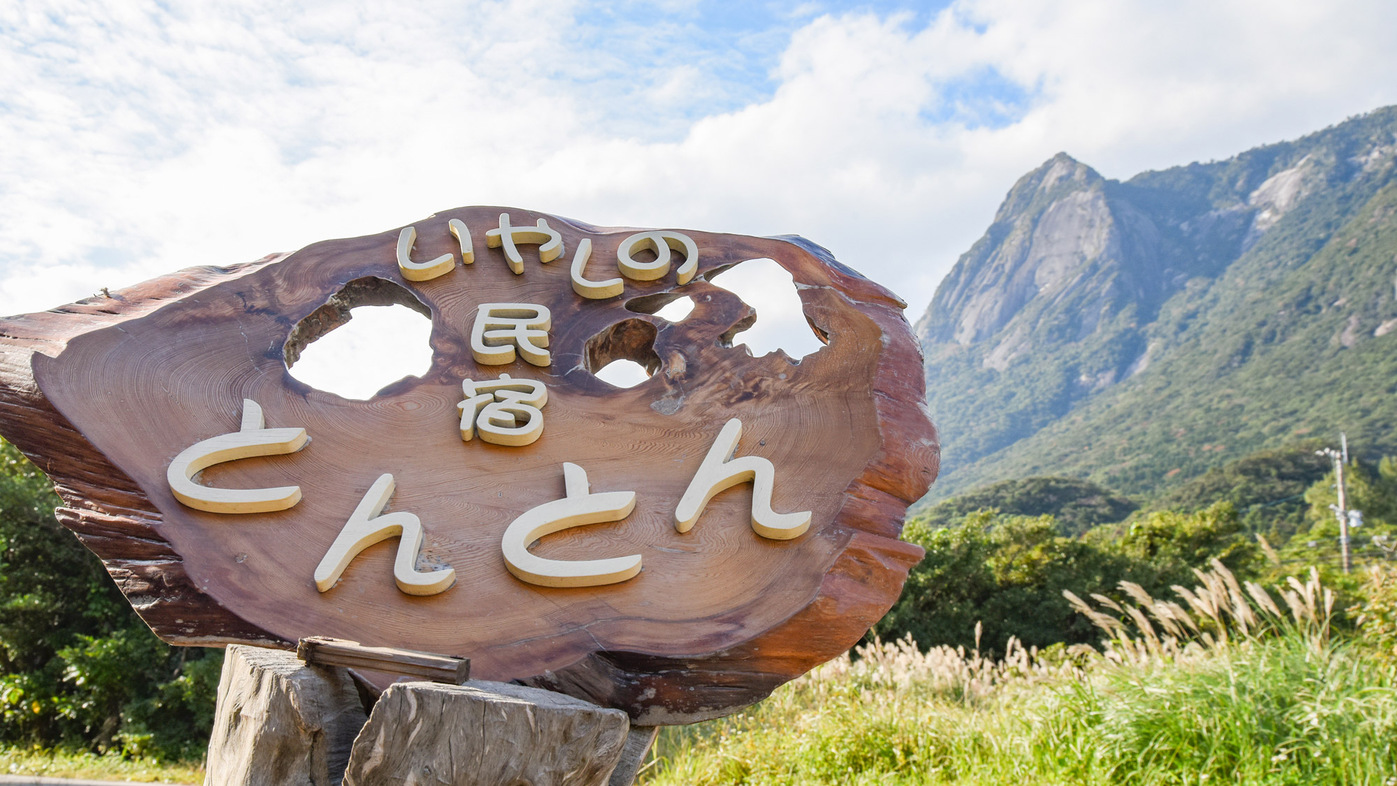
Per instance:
(623,355)
(669,306)
(623,373)
(678,310)
(388,340)
(781,323)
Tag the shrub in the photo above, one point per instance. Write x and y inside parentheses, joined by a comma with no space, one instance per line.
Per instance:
(1377,614)
(78,669)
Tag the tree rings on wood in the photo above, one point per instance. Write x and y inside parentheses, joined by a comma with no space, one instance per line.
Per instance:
(104,395)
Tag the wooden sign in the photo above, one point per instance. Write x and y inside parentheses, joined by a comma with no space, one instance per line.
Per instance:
(676,549)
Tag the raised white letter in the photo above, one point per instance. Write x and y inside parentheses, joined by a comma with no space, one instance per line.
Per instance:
(550,243)
(365,528)
(500,327)
(420,271)
(720,471)
(592,290)
(463,236)
(250,440)
(578,508)
(661,242)
(506,411)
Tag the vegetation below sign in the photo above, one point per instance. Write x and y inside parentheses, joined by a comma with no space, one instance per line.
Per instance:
(1288,698)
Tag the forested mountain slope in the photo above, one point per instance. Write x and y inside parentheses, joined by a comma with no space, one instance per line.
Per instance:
(1137,333)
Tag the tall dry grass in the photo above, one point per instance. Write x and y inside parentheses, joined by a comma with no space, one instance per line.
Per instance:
(1229,682)
(1219,613)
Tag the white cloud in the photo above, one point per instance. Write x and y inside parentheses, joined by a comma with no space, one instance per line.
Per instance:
(139,140)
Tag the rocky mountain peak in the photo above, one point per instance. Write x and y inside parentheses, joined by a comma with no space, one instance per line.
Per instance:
(1053,228)
(1058,175)
(1096,312)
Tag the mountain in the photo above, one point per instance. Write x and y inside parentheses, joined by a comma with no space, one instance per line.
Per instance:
(1137,333)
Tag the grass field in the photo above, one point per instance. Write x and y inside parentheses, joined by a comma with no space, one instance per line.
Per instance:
(1230,684)
(90,766)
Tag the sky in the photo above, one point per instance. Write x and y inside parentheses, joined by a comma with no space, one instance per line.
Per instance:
(140,138)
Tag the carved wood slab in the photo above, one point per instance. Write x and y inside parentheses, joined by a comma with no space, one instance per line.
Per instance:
(105,394)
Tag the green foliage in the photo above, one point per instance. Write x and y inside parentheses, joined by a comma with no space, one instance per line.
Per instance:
(1164,548)
(1267,489)
(1372,489)
(1272,713)
(1075,505)
(1007,573)
(1252,342)
(132,689)
(1003,573)
(1280,699)
(77,667)
(1377,614)
(49,585)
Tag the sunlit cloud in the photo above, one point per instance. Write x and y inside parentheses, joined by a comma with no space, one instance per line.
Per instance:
(139,139)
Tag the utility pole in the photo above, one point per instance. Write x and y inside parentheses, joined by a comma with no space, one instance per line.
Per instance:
(1341,510)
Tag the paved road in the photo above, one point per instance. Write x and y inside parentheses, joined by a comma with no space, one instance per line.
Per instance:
(34,780)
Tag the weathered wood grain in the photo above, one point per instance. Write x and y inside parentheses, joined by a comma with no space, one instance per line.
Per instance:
(103,394)
(325,651)
(484,734)
(639,740)
(280,721)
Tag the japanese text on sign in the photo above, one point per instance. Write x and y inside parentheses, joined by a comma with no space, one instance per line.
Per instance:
(506,411)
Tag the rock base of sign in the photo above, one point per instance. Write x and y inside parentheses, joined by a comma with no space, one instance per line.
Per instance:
(280,721)
(485,733)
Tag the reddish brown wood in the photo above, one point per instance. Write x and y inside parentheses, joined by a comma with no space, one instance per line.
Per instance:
(102,394)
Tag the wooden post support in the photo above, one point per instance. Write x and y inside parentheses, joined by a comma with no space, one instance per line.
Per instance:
(638,743)
(281,721)
(326,651)
(484,734)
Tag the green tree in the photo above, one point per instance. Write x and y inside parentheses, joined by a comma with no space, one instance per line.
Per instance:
(1076,505)
(1006,573)
(1377,614)
(77,667)
(1266,487)
(1369,488)
(1165,547)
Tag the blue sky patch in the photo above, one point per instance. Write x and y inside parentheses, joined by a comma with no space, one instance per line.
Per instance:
(720,54)
(984,98)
